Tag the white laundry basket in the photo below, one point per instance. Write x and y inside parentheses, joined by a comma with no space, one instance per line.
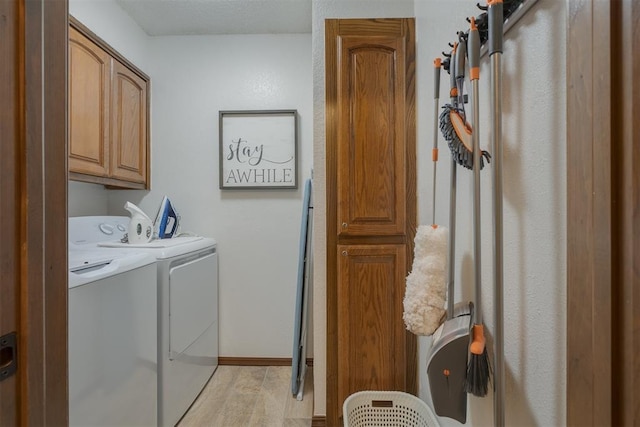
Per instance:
(388,409)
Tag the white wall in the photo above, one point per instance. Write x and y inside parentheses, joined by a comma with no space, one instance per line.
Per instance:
(192,78)
(534,191)
(106,19)
(326,9)
(534,204)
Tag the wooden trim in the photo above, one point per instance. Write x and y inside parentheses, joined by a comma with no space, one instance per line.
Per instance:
(318,421)
(331,188)
(258,361)
(56,399)
(42,209)
(31,317)
(10,79)
(625,19)
(411,205)
(603,230)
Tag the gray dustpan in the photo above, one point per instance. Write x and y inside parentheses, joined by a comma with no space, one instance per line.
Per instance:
(447,364)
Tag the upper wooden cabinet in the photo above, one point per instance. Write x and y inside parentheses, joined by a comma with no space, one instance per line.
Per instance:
(108,114)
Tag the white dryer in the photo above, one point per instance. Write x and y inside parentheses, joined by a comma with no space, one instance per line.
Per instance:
(113,365)
(187,270)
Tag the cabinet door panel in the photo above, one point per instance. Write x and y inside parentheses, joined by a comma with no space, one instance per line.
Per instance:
(129,134)
(371,136)
(89,96)
(371,333)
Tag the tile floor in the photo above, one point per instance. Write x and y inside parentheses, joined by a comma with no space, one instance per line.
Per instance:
(251,396)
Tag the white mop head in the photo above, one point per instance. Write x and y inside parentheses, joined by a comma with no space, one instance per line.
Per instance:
(426,291)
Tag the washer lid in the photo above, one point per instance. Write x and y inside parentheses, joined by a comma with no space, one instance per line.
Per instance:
(86,266)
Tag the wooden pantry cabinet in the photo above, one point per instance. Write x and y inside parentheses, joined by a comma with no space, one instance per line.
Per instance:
(371,205)
(108,114)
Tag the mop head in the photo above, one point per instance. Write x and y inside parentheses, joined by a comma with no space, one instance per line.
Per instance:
(426,290)
(458,135)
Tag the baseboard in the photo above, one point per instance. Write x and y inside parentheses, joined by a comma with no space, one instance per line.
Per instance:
(258,361)
(319,421)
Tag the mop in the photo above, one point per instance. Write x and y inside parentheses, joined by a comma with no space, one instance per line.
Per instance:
(478,369)
(424,298)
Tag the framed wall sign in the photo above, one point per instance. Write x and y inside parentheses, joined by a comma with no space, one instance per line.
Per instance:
(258,149)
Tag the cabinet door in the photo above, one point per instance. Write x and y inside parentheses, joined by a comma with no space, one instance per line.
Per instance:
(129,121)
(371,333)
(89,97)
(371,135)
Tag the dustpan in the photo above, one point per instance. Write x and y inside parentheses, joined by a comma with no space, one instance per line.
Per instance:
(447,364)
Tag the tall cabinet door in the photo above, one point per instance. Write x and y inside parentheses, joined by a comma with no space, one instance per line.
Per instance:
(371,206)
(371,343)
(129,132)
(371,142)
(89,98)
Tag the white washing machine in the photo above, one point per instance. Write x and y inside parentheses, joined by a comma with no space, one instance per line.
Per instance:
(113,364)
(187,270)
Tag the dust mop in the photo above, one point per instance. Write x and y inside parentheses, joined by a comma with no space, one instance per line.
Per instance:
(447,360)
(425,292)
(453,124)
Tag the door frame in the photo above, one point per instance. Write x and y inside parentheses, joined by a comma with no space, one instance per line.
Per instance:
(603,226)
(41,209)
(36,289)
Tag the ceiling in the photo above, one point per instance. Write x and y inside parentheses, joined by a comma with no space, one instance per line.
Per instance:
(191,17)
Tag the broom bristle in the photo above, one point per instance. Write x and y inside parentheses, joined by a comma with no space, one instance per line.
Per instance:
(478,374)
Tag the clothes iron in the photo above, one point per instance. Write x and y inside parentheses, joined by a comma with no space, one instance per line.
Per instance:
(167,221)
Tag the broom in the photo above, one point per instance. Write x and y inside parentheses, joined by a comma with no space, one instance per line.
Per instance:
(426,283)
(478,369)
